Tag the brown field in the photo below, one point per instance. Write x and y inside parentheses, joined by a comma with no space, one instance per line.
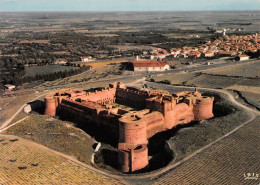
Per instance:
(132,47)
(179,78)
(97,64)
(25,162)
(105,35)
(55,134)
(61,53)
(6,101)
(245,88)
(34,41)
(81,31)
(244,70)
(215,81)
(250,95)
(226,162)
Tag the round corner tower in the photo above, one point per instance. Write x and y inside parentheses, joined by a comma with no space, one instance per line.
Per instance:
(132,158)
(203,109)
(132,130)
(50,105)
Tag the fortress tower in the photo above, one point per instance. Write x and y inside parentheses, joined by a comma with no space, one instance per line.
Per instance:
(50,105)
(203,108)
(132,157)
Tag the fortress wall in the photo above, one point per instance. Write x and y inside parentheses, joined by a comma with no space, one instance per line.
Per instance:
(93,116)
(183,113)
(130,98)
(154,105)
(103,96)
(203,109)
(155,123)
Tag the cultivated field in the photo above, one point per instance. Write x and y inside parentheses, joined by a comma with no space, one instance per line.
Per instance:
(25,162)
(35,41)
(178,79)
(133,47)
(216,81)
(105,35)
(226,162)
(56,134)
(84,79)
(100,63)
(243,70)
(34,70)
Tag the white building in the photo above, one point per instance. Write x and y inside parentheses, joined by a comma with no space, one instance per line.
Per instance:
(242,57)
(150,65)
(9,87)
(88,59)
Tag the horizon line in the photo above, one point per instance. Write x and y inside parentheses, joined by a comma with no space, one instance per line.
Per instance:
(122,11)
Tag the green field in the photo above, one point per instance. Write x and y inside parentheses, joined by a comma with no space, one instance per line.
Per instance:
(32,71)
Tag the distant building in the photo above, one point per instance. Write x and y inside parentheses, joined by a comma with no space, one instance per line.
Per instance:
(159,54)
(9,87)
(242,57)
(227,53)
(208,54)
(195,54)
(150,65)
(61,62)
(88,59)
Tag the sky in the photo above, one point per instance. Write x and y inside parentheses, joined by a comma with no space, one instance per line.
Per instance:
(127,5)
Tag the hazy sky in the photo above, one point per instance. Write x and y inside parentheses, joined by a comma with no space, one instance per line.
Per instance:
(127,5)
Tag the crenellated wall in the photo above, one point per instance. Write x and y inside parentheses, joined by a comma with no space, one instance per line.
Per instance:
(160,111)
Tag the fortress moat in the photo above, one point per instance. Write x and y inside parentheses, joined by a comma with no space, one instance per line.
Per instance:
(153,112)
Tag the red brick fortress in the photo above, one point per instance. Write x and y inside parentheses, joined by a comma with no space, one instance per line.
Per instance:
(156,111)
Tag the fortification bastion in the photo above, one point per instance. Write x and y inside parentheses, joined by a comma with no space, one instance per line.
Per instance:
(156,111)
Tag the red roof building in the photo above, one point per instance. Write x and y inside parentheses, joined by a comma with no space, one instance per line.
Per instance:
(150,65)
(195,54)
(242,57)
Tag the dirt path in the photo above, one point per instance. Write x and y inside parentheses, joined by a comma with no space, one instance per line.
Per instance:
(7,122)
